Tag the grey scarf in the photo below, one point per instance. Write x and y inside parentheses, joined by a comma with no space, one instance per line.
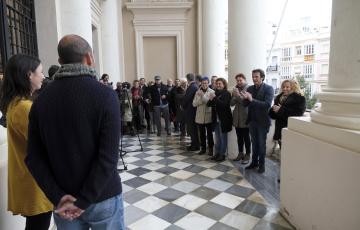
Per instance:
(74,70)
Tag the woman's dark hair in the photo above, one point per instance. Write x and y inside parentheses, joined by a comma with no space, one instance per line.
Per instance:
(16,82)
(223,81)
(105,75)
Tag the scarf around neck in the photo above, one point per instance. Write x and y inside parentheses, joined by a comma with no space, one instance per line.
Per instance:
(75,70)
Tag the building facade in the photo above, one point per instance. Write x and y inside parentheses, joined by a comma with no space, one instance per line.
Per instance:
(301,51)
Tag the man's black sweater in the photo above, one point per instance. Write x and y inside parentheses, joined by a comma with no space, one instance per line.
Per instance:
(74,132)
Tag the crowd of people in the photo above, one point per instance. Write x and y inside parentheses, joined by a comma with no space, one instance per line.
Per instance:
(201,108)
(72,130)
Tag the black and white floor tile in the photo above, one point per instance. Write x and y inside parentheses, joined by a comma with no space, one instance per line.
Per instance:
(166,187)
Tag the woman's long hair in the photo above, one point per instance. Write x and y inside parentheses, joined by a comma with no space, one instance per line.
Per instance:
(295,87)
(16,81)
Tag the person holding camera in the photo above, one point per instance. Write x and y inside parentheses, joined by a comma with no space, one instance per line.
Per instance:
(136,95)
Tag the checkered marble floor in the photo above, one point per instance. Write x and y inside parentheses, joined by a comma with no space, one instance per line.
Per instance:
(166,187)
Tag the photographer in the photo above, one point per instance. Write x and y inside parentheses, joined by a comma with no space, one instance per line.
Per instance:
(136,94)
(125,106)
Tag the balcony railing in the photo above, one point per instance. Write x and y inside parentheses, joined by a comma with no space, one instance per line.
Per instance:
(272,68)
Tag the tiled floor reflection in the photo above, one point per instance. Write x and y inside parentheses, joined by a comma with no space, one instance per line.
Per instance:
(166,187)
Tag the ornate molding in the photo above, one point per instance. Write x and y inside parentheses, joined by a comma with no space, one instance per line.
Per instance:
(159,19)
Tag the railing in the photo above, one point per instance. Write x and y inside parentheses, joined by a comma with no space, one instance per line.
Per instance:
(272,68)
(286,59)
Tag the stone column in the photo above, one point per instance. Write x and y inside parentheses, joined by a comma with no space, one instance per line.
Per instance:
(213,38)
(247,46)
(340,101)
(247,43)
(111,34)
(75,18)
(47,32)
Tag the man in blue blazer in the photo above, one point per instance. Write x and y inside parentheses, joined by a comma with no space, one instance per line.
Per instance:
(258,98)
(190,112)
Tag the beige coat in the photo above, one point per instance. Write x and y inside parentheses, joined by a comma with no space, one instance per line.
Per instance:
(203,112)
(240,112)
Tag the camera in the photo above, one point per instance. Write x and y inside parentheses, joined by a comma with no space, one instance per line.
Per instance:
(126,85)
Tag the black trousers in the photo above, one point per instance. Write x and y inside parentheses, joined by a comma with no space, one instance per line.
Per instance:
(38,222)
(192,130)
(243,136)
(205,130)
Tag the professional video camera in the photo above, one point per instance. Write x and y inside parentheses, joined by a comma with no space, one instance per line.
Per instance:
(126,85)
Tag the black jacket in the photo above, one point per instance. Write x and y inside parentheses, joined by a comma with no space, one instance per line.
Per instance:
(73,145)
(154,95)
(294,105)
(221,108)
(189,109)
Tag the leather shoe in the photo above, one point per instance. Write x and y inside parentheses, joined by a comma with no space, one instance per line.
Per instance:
(239,157)
(246,159)
(261,169)
(251,166)
(192,148)
(220,158)
(202,151)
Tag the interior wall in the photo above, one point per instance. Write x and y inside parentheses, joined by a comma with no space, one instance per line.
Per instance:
(160,57)
(130,49)
(191,54)
(129,44)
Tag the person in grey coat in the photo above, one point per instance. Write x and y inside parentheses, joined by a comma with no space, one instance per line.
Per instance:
(240,114)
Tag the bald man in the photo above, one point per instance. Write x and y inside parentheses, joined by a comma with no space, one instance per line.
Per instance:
(74,132)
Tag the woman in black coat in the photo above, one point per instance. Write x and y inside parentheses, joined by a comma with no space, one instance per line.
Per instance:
(180,113)
(222,117)
(290,102)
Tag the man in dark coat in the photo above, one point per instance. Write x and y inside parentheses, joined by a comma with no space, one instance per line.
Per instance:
(158,94)
(73,143)
(190,112)
(258,98)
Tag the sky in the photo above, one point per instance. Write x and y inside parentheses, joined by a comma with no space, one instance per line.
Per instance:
(318,10)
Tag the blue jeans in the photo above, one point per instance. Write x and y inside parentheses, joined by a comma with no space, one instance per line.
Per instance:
(221,140)
(105,215)
(258,135)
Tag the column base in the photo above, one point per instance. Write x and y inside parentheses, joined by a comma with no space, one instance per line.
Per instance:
(339,108)
(318,167)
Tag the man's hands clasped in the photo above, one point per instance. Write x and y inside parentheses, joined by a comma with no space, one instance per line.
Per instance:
(66,208)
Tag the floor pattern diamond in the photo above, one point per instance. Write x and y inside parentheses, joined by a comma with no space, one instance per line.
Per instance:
(167,187)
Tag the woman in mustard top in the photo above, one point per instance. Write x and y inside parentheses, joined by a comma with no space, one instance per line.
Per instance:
(23,75)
